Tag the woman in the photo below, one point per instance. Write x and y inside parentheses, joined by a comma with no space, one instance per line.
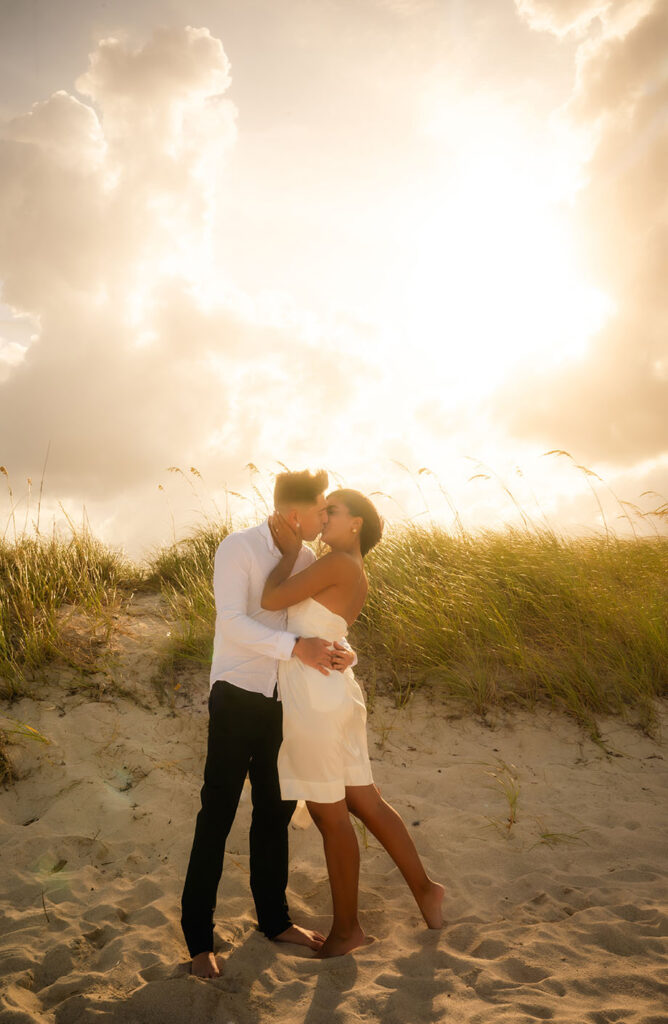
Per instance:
(324,758)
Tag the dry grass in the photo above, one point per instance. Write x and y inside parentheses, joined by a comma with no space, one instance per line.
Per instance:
(6,768)
(518,616)
(40,578)
(184,574)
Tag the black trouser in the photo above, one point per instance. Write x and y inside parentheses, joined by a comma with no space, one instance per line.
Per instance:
(245,733)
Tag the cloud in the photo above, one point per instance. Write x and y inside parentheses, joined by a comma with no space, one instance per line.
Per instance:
(611,404)
(144,356)
(561,16)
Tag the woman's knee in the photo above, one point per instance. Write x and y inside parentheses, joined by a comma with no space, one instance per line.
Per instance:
(364,801)
(329,816)
(355,807)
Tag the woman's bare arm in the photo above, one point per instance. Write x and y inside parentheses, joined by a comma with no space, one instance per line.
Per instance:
(282,590)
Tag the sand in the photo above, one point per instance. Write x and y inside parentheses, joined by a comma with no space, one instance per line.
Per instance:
(561,915)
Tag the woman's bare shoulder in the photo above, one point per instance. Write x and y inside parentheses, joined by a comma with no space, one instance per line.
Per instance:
(343,563)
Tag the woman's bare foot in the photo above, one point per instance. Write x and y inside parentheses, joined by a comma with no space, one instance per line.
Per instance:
(339,944)
(431,904)
(204,966)
(301,937)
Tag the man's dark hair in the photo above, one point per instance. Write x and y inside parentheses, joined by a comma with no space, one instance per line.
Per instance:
(359,505)
(299,488)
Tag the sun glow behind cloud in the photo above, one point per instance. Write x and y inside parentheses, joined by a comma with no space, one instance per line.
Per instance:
(494,279)
(183,362)
(490,279)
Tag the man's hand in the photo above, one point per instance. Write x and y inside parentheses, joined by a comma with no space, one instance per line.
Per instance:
(342,657)
(313,651)
(287,540)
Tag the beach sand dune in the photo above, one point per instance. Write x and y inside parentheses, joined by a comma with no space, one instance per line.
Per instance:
(553,853)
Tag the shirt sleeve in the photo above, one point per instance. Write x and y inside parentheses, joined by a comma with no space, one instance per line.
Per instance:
(230,587)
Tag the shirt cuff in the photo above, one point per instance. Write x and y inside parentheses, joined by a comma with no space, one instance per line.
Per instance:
(286,645)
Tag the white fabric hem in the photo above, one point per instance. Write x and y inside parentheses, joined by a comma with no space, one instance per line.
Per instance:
(319,792)
(325,792)
(358,776)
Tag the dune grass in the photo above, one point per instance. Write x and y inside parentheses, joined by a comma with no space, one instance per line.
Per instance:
(40,579)
(183,572)
(7,774)
(489,619)
(517,617)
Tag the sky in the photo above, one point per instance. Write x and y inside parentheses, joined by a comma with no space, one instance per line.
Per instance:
(420,243)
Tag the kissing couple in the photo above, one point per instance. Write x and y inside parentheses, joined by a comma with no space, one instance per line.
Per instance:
(285,709)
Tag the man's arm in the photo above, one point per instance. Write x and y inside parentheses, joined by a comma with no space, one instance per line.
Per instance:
(230,586)
(343,656)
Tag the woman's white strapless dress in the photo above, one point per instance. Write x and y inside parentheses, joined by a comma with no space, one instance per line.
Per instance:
(324,745)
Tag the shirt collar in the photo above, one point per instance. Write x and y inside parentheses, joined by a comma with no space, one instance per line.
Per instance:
(267,537)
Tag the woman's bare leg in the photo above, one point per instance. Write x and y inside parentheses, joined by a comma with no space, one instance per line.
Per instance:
(343,865)
(366,803)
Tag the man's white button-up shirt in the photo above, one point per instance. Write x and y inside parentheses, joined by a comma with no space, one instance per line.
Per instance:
(249,640)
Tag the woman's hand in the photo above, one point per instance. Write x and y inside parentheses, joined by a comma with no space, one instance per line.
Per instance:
(287,540)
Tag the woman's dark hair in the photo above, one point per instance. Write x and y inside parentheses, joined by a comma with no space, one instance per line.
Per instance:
(301,488)
(359,505)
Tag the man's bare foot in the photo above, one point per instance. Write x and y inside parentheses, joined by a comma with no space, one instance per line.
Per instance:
(338,944)
(431,905)
(204,966)
(301,937)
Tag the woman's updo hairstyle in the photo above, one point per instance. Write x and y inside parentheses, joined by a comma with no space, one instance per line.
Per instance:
(359,505)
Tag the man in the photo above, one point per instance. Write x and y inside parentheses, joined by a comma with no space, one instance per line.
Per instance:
(245,719)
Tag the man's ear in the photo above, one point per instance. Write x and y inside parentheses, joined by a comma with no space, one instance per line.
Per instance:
(292,518)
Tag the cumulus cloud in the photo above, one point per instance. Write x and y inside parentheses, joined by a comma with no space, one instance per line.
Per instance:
(126,347)
(611,404)
(561,16)
(143,356)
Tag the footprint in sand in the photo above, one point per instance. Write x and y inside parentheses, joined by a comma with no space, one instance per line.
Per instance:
(100,937)
(57,962)
(147,917)
(490,949)
(462,936)
(517,970)
(535,1010)
(620,940)
(608,1016)
(111,955)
